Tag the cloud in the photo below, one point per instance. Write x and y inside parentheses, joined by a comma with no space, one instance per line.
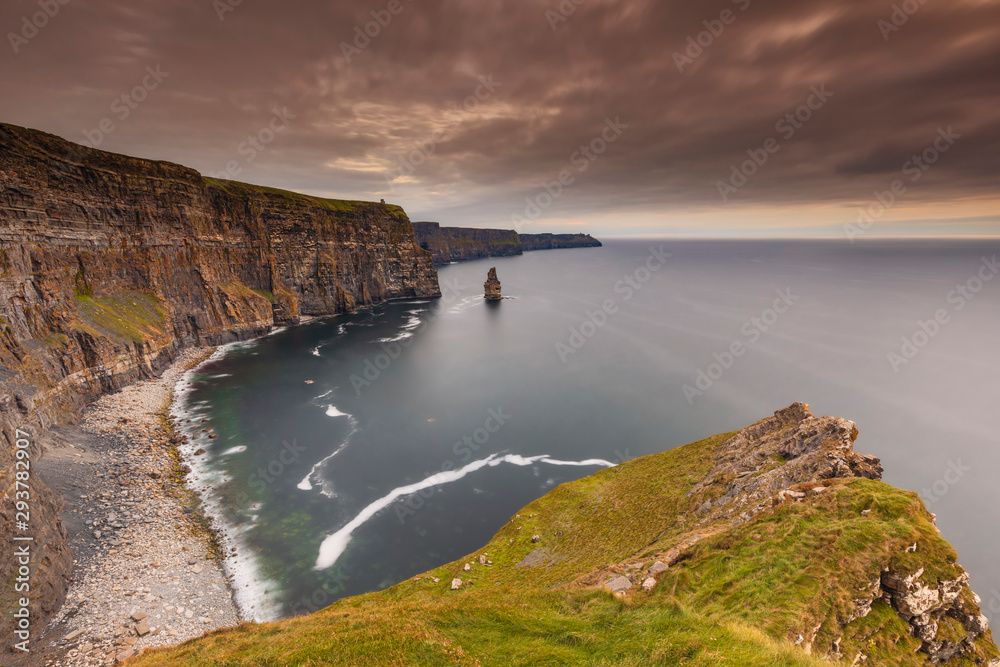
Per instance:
(409,86)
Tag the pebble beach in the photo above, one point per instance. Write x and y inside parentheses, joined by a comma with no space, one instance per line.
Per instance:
(146,573)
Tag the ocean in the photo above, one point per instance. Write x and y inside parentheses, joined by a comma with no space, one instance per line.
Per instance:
(356,451)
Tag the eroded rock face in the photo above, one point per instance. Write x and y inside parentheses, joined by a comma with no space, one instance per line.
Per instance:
(924,606)
(555,241)
(767,462)
(492,286)
(110,264)
(792,447)
(459,244)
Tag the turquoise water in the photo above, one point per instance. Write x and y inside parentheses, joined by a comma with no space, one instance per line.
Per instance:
(357,451)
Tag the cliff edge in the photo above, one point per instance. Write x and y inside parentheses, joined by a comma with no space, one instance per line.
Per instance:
(459,244)
(110,264)
(774,545)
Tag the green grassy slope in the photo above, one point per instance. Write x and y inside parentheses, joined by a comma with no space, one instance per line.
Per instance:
(741,594)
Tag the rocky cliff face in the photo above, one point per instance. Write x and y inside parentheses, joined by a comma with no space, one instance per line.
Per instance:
(110,264)
(458,244)
(795,463)
(556,241)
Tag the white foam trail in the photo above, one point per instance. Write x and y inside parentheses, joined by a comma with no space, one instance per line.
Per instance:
(331,411)
(334,545)
(395,339)
(411,324)
(315,351)
(465,303)
(234,450)
(587,462)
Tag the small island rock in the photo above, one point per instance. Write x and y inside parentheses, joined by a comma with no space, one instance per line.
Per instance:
(492,286)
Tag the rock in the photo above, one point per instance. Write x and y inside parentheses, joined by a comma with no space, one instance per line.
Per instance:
(618,584)
(535,539)
(456,583)
(86,648)
(492,286)
(97,534)
(73,635)
(467,567)
(142,628)
(658,567)
(648,584)
(196,569)
(139,615)
(482,560)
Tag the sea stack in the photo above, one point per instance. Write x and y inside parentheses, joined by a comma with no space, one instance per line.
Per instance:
(492,286)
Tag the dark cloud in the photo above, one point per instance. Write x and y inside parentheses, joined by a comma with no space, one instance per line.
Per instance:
(410,95)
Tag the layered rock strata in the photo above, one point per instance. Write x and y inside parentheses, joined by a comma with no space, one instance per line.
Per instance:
(111,264)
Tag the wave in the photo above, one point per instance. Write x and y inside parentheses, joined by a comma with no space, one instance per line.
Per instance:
(331,411)
(248,583)
(465,303)
(412,323)
(333,546)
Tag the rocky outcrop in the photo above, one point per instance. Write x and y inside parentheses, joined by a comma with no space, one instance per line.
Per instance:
(924,606)
(792,447)
(557,241)
(458,244)
(492,286)
(794,457)
(110,264)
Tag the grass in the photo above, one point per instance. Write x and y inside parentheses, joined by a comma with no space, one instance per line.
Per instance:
(338,205)
(238,290)
(126,315)
(738,595)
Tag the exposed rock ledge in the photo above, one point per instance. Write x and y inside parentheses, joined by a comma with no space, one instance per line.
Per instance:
(795,457)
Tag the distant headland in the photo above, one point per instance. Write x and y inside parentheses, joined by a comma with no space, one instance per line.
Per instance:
(458,244)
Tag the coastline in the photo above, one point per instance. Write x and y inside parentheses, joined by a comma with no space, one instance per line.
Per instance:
(250,588)
(147,571)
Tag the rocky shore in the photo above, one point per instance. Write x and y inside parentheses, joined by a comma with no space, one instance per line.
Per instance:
(145,572)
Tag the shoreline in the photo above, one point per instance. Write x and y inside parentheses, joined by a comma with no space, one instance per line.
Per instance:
(147,565)
(249,586)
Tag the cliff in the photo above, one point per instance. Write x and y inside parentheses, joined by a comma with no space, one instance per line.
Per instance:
(774,545)
(109,265)
(458,244)
(556,241)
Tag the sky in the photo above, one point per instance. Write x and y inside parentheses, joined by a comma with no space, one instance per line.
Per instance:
(851,119)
